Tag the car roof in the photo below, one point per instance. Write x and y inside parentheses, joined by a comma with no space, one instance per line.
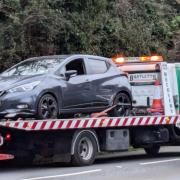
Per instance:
(66,56)
(47,57)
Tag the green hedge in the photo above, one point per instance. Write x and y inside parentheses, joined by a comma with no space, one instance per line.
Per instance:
(104,27)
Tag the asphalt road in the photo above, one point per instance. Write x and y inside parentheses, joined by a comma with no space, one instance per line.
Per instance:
(124,166)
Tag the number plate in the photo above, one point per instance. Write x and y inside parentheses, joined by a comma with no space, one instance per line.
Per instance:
(143,77)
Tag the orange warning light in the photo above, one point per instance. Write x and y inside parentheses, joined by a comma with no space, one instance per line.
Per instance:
(122,60)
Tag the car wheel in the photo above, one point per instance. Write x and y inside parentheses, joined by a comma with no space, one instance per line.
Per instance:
(85,150)
(47,107)
(152,151)
(124,105)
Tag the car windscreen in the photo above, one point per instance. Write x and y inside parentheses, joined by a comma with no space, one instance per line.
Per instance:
(33,67)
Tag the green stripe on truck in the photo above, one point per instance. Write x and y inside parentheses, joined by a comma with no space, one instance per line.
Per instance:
(178,79)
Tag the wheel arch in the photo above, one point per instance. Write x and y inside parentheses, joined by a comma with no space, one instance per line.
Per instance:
(125,91)
(52,94)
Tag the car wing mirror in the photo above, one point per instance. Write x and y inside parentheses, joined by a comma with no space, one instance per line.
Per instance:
(70,73)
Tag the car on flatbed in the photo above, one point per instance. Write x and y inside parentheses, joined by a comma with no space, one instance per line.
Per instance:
(49,86)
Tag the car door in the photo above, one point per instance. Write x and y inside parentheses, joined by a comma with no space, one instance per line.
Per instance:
(101,80)
(78,89)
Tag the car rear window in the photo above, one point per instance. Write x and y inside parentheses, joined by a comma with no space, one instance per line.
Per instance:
(96,66)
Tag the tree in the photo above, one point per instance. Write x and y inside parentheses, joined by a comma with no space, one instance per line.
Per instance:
(104,27)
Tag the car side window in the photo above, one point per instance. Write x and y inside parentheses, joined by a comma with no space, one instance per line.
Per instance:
(96,66)
(78,65)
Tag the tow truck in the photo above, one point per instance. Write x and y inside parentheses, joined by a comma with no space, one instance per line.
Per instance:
(79,140)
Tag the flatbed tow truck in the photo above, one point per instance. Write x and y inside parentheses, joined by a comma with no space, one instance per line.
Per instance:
(79,140)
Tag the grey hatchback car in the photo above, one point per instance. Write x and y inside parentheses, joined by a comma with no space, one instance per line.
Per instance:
(49,86)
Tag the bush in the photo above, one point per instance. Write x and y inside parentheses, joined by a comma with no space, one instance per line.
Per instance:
(104,27)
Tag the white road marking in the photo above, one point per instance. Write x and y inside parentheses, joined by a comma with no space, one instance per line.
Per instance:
(157,162)
(65,175)
(119,167)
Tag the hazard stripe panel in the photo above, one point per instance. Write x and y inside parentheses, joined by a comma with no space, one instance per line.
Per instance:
(39,125)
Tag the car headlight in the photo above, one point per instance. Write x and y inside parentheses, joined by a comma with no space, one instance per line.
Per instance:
(24,87)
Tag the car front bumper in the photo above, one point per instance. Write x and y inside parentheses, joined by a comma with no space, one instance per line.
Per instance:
(15,113)
(13,105)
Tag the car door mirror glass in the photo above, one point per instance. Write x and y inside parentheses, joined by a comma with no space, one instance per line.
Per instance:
(70,73)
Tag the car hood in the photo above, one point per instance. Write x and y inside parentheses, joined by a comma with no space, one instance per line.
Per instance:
(12,81)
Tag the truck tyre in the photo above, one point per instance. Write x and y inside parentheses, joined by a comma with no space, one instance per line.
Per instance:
(85,149)
(152,151)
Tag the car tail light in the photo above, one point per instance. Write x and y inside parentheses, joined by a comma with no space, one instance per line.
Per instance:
(125,74)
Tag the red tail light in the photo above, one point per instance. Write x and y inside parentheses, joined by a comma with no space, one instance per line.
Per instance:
(8,137)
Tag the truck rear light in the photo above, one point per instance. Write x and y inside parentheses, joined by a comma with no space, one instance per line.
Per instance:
(6,157)
(8,137)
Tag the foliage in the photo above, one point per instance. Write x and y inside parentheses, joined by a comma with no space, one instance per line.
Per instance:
(104,27)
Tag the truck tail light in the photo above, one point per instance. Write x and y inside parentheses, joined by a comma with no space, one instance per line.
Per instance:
(8,137)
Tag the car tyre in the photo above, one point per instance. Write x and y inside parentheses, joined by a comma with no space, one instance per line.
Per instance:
(47,107)
(122,110)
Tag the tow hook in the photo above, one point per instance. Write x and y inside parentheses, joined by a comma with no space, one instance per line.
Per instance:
(1,140)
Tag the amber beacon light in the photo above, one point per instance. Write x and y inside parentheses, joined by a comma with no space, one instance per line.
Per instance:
(121,60)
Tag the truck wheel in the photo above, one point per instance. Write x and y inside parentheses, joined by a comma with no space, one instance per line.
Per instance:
(85,149)
(152,151)
(120,109)
(47,107)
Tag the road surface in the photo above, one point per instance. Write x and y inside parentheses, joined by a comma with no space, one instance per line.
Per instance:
(125,166)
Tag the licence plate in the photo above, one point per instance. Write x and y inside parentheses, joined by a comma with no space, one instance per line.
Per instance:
(143,77)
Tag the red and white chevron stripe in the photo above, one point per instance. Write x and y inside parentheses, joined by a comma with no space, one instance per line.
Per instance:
(37,125)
